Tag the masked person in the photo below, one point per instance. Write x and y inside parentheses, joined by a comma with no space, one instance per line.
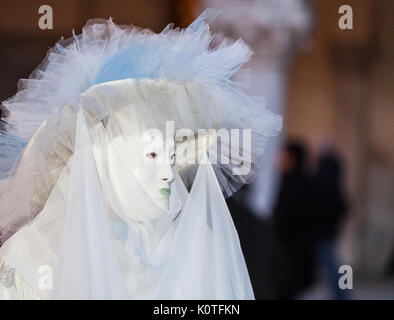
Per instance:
(134,139)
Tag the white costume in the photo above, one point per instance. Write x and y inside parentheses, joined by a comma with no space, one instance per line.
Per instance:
(90,212)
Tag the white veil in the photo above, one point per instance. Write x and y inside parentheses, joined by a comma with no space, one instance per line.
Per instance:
(198,257)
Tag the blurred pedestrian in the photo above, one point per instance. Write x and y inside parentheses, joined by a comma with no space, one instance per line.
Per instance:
(294,222)
(330,212)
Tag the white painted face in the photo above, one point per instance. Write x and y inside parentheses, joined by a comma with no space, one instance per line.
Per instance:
(150,158)
(153,166)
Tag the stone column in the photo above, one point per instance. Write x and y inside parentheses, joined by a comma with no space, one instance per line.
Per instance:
(275,30)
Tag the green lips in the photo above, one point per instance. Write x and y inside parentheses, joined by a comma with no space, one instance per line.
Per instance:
(165,191)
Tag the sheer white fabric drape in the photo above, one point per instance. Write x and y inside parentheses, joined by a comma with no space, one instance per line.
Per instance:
(98,252)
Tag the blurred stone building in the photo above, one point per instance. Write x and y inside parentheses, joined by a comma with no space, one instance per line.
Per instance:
(342,90)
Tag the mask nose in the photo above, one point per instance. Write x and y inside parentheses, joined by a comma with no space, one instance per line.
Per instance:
(167,175)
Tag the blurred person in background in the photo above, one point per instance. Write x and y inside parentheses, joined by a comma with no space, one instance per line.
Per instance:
(294,222)
(330,212)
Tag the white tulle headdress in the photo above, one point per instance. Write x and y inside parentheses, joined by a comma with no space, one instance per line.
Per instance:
(113,81)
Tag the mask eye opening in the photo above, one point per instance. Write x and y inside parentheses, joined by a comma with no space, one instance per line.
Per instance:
(151,155)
